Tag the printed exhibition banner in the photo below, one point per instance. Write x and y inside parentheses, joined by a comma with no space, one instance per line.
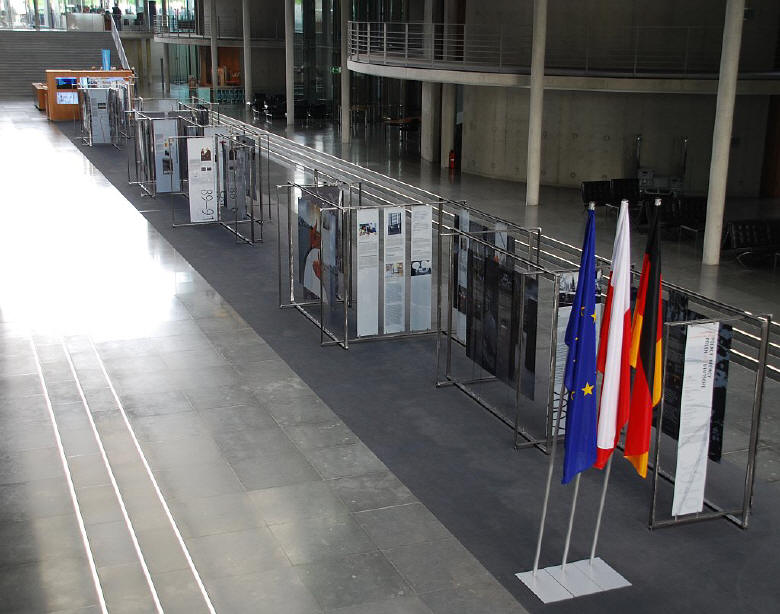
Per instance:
(676,310)
(461,255)
(166,155)
(422,249)
(395,262)
(701,350)
(527,346)
(318,234)
(202,179)
(506,335)
(367,272)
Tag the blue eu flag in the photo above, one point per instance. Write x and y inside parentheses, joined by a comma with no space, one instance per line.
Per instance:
(580,374)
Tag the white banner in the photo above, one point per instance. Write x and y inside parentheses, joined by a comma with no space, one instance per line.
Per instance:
(202,186)
(701,353)
(394,230)
(422,248)
(459,310)
(368,272)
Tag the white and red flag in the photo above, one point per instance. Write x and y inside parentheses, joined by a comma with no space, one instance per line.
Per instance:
(615,345)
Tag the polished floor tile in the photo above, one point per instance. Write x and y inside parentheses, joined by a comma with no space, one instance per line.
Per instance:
(266,486)
(312,539)
(401,525)
(352,580)
(297,502)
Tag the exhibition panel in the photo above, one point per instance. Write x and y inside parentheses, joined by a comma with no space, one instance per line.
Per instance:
(497,349)
(104,105)
(341,229)
(218,169)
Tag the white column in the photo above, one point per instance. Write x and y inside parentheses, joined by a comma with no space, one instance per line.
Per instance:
(721,137)
(447,122)
(214,54)
(247,52)
(536,105)
(166,67)
(346,103)
(289,56)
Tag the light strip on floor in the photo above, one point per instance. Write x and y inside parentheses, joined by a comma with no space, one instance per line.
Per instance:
(69,480)
(114,485)
(157,490)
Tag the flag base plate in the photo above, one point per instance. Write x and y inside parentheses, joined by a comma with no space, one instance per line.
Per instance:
(575,580)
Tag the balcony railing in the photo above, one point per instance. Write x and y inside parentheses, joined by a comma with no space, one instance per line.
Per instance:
(635,51)
(228,28)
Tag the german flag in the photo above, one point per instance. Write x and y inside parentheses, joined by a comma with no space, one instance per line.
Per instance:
(646,353)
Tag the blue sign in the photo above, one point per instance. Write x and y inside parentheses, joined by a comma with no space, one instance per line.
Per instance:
(106,59)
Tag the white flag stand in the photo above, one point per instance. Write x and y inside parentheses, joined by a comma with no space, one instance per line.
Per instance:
(569,580)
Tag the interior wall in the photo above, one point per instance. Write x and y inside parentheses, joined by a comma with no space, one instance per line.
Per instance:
(591,136)
(268,71)
(601,29)
(267,16)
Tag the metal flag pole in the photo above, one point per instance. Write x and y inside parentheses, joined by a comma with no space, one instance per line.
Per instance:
(575,495)
(571,521)
(548,487)
(607,472)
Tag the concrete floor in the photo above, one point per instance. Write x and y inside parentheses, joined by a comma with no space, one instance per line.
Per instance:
(155,452)
(185,324)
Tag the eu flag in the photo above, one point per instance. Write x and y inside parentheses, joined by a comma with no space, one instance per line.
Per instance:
(580,374)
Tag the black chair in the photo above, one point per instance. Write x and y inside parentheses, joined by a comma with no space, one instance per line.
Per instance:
(751,240)
(625,189)
(599,192)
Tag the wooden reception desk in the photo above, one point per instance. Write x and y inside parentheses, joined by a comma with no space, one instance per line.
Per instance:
(62,103)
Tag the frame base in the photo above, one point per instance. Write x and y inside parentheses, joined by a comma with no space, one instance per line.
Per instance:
(576,580)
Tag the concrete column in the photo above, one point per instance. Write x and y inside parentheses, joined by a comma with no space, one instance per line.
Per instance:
(148,42)
(428,29)
(346,102)
(166,58)
(141,66)
(721,137)
(246,22)
(448,95)
(430,133)
(534,168)
(214,54)
(289,56)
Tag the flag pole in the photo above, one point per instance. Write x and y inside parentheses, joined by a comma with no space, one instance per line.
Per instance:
(571,521)
(550,468)
(607,472)
(575,495)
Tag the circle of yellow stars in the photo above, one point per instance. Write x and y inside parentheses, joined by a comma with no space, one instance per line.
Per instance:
(588,389)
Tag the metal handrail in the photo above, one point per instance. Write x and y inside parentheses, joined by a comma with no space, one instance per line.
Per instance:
(637,50)
(228,28)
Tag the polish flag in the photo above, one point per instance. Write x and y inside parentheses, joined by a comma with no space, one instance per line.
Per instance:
(615,345)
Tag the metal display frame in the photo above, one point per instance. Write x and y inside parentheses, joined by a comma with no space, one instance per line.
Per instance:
(522,436)
(220,140)
(143,160)
(346,210)
(117,109)
(740,516)
(206,113)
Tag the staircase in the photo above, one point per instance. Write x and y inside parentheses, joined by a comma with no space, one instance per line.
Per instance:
(25,56)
